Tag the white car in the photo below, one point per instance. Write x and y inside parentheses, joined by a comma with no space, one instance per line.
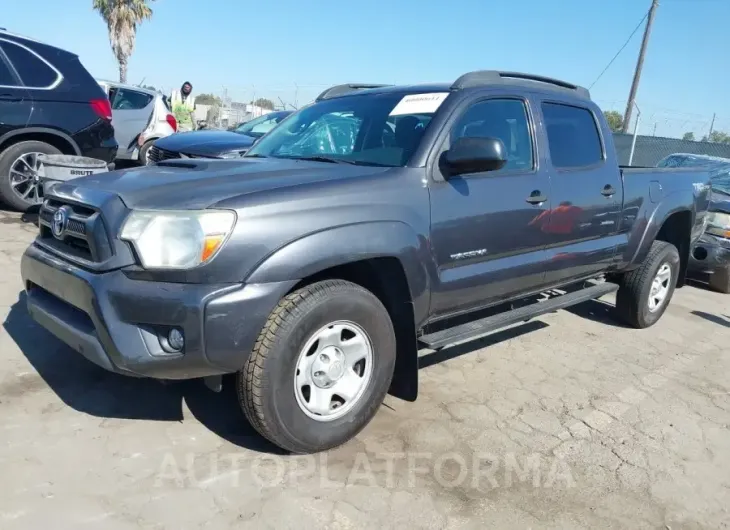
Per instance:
(139,116)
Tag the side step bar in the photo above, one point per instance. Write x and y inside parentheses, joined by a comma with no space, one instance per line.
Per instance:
(478,328)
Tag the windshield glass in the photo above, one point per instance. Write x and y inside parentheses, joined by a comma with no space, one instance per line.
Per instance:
(721,182)
(261,125)
(361,129)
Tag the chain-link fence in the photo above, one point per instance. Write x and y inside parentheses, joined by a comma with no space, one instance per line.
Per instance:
(649,150)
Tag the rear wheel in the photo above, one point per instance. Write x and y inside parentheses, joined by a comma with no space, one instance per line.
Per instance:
(20,185)
(144,152)
(720,280)
(320,368)
(644,293)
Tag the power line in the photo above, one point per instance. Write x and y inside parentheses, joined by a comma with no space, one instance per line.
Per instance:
(620,50)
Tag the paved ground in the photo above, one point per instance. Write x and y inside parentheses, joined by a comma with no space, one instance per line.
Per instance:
(569,421)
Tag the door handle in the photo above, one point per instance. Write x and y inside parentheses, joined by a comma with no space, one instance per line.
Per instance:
(536,197)
(608,190)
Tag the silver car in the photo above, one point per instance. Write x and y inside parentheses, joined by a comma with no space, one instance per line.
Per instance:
(139,116)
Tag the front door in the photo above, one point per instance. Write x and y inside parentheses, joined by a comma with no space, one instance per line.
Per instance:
(582,232)
(484,231)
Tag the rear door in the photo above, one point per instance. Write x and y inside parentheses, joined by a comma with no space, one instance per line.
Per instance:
(582,232)
(15,101)
(484,226)
(131,111)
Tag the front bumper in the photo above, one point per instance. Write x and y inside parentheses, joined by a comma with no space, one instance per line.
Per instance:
(709,254)
(116,322)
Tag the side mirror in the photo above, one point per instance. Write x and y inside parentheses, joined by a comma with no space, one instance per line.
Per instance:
(473,155)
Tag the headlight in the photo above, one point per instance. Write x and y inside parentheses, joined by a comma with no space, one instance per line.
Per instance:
(177,239)
(718,224)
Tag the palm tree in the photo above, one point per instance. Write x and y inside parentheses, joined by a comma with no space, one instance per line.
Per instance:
(122,17)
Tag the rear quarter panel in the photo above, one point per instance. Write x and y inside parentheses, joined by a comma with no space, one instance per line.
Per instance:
(651,196)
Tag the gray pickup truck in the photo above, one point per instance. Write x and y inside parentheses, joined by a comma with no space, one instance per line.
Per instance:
(376,221)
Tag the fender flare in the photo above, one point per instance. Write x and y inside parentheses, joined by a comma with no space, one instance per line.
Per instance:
(655,221)
(322,250)
(356,242)
(44,130)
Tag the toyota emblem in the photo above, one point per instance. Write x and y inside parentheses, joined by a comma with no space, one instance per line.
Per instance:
(59,222)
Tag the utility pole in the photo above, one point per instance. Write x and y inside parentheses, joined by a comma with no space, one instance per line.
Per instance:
(639,66)
(712,126)
(654,134)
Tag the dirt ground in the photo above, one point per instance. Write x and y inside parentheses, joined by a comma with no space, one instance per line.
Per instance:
(567,421)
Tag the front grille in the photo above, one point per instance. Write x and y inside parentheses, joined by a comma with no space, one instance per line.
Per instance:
(158,155)
(83,238)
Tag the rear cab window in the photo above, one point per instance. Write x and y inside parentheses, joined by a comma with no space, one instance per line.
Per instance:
(34,71)
(573,138)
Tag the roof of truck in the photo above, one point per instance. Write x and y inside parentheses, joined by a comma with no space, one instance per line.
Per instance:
(477,79)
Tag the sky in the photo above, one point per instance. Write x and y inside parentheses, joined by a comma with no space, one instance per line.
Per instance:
(288,50)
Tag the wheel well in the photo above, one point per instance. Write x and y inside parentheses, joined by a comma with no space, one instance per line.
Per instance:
(676,230)
(56,141)
(386,279)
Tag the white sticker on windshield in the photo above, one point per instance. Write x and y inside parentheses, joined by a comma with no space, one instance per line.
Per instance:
(419,103)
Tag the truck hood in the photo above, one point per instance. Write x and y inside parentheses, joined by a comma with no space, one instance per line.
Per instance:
(192,184)
(206,143)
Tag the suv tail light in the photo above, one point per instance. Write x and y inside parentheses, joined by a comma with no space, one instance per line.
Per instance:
(172,121)
(102,108)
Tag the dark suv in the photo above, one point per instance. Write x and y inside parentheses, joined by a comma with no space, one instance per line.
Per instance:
(49,104)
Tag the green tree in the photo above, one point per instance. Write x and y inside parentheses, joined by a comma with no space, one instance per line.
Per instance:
(720,137)
(207,99)
(717,137)
(264,103)
(689,136)
(122,18)
(615,120)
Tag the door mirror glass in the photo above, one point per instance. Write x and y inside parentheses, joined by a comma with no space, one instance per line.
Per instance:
(473,155)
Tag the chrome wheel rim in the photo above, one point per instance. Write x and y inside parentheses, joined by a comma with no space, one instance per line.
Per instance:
(25,179)
(333,370)
(660,287)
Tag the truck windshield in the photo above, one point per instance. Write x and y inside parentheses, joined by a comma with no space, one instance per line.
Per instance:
(366,129)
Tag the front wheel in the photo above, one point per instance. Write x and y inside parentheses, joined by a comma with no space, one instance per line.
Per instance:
(320,368)
(644,293)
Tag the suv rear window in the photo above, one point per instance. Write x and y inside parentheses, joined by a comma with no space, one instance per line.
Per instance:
(572,136)
(33,71)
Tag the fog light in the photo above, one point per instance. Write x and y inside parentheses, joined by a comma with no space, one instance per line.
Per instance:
(175,339)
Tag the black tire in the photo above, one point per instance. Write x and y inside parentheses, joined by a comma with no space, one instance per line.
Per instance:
(7,158)
(143,152)
(720,280)
(265,385)
(632,298)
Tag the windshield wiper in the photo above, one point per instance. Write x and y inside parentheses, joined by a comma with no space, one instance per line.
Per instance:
(317,158)
(336,160)
(256,155)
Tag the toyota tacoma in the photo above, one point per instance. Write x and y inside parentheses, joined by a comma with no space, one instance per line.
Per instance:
(374,222)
